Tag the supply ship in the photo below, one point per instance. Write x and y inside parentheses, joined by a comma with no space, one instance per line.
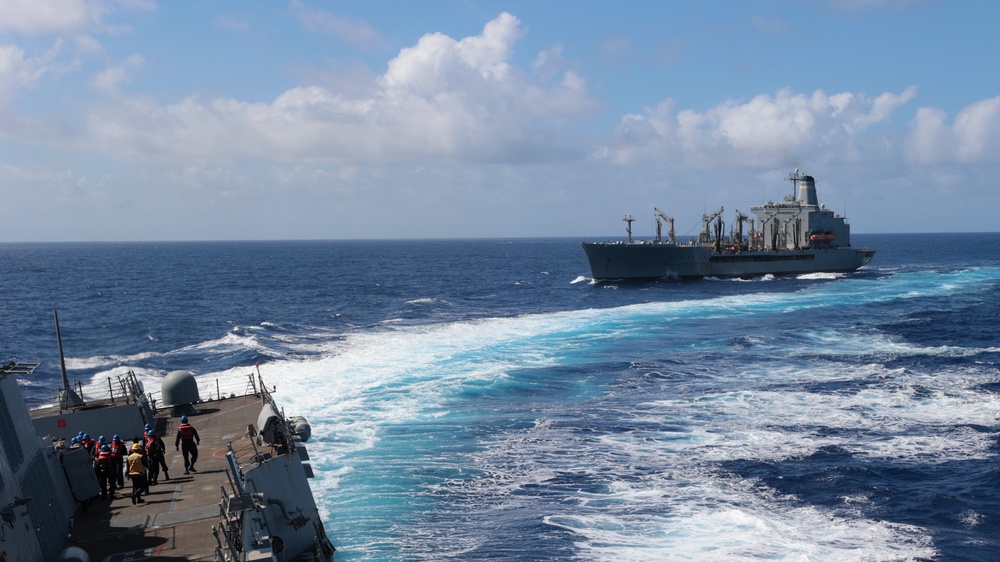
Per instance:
(793,236)
(248,499)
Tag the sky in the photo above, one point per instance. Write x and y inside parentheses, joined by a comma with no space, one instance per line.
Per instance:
(139,120)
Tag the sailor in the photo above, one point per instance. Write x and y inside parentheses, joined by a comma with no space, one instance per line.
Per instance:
(154,453)
(106,472)
(140,442)
(161,458)
(118,451)
(88,444)
(187,437)
(137,473)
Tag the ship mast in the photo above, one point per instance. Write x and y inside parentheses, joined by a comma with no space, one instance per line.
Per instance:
(68,397)
(795,177)
(629,219)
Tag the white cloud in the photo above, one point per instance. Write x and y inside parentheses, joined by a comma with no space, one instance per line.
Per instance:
(49,16)
(352,31)
(547,58)
(977,130)
(110,79)
(88,44)
(767,131)
(17,70)
(973,138)
(882,108)
(930,140)
(14,69)
(441,99)
(438,59)
(65,17)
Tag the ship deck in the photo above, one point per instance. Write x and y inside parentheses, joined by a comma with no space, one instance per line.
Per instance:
(175,522)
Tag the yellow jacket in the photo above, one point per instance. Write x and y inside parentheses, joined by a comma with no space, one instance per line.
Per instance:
(135,465)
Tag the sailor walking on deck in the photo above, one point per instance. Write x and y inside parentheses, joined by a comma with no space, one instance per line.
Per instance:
(188,439)
(119,450)
(154,452)
(137,472)
(106,472)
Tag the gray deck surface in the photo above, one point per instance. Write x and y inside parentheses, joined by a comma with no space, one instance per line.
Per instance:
(176,521)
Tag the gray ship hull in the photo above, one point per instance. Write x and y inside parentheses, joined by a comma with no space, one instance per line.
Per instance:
(793,236)
(651,260)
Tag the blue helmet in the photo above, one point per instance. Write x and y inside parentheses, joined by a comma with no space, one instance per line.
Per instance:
(101,439)
(104,449)
(184,419)
(86,436)
(149,426)
(75,440)
(116,438)
(152,434)
(79,434)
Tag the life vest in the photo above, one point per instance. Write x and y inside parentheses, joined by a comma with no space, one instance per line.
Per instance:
(186,431)
(88,445)
(104,460)
(118,449)
(152,447)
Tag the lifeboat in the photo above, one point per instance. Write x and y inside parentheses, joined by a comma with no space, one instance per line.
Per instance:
(823,237)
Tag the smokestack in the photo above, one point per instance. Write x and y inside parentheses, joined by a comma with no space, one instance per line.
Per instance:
(807,191)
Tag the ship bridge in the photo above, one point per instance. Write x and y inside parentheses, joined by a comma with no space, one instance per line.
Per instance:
(801,222)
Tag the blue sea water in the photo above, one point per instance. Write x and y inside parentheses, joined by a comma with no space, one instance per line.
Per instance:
(486,400)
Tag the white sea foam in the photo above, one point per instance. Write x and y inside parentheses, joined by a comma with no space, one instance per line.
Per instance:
(682,509)
(232,340)
(761,532)
(429,301)
(652,489)
(81,363)
(820,276)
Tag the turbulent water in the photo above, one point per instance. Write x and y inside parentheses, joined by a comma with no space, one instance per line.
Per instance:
(485,400)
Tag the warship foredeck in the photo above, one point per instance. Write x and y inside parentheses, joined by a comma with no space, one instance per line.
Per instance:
(176,521)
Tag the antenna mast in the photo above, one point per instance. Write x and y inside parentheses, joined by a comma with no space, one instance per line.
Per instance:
(69,398)
(795,177)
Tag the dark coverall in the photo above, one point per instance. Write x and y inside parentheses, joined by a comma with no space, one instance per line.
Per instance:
(106,474)
(188,440)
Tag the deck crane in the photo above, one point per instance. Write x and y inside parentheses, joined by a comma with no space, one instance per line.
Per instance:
(740,219)
(659,225)
(705,237)
(769,237)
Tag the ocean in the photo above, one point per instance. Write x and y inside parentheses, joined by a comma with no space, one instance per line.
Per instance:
(486,400)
